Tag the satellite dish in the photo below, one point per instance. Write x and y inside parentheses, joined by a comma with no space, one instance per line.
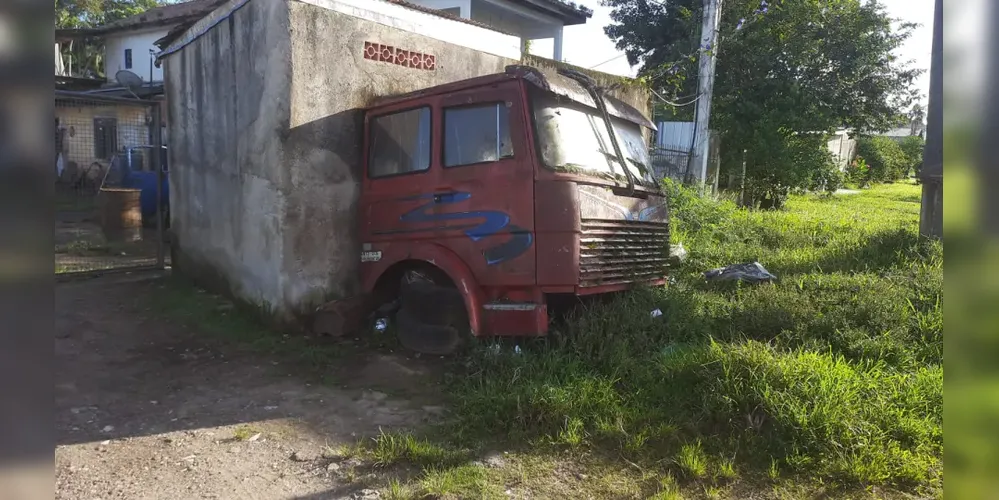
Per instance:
(129,80)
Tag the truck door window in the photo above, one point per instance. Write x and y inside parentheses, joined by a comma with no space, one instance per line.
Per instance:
(400,143)
(477,134)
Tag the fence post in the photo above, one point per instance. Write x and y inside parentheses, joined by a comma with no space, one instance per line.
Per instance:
(157,134)
(743,202)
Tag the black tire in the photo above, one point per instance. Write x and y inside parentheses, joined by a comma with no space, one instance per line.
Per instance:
(432,320)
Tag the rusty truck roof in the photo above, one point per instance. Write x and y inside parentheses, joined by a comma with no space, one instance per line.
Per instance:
(554,83)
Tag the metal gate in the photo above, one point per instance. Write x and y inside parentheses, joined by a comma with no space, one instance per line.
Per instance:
(111,192)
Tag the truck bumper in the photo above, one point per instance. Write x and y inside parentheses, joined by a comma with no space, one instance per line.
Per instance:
(515,319)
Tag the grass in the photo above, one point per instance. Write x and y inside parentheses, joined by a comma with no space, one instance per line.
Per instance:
(243,432)
(828,381)
(832,376)
(692,460)
(389,448)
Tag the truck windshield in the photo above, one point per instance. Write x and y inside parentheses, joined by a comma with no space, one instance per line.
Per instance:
(572,136)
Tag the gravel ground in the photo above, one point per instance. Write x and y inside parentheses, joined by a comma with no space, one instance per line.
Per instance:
(148,408)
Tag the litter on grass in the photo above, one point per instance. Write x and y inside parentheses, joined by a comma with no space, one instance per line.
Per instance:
(750,272)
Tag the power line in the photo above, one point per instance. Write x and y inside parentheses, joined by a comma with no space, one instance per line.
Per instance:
(609,60)
(671,103)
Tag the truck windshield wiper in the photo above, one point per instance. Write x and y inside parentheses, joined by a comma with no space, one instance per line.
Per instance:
(591,87)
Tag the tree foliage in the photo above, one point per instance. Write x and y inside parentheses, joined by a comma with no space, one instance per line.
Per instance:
(87,54)
(785,69)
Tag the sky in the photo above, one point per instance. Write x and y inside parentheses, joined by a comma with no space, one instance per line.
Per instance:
(586,45)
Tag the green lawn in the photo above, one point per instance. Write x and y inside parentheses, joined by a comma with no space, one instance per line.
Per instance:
(828,381)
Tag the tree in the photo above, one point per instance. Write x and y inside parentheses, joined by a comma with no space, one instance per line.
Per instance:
(787,70)
(83,14)
(916,119)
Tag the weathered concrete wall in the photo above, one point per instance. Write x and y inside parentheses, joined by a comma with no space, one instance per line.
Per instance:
(331,84)
(228,105)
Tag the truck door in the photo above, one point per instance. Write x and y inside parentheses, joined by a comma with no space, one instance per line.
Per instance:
(396,200)
(485,185)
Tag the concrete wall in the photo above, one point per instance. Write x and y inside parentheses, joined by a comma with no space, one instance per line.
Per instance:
(228,104)
(265,120)
(140,42)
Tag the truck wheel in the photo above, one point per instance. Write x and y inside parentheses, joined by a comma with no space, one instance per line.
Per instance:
(432,320)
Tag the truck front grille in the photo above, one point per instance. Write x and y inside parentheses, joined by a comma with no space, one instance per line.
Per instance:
(622,251)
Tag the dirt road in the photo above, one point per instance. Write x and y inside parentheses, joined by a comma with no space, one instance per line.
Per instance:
(147,408)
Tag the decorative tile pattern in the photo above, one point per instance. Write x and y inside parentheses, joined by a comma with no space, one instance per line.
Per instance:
(407,58)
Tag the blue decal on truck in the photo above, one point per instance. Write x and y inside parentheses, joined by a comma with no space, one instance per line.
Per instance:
(492,223)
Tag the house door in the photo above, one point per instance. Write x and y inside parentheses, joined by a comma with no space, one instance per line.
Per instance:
(485,185)
(105,138)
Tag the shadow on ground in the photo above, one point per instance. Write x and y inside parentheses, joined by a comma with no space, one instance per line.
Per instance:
(167,393)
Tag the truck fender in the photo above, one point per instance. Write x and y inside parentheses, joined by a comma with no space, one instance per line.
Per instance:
(445,260)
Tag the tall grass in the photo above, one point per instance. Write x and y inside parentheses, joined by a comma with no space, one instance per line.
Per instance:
(834,372)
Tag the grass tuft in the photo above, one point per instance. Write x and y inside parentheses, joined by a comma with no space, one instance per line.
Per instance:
(243,432)
(390,448)
(692,461)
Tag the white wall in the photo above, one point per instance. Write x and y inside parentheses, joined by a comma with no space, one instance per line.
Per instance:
(842,148)
(140,42)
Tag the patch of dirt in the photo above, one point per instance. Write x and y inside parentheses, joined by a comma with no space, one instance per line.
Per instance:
(80,246)
(147,408)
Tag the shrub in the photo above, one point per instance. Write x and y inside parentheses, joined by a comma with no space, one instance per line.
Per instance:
(690,211)
(827,179)
(885,156)
(858,172)
(779,165)
(912,146)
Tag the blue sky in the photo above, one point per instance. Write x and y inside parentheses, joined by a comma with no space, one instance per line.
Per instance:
(588,46)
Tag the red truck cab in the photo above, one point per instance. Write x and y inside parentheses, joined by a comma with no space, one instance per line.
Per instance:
(482,198)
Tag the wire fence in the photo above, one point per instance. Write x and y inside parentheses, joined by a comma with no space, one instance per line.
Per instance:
(673,163)
(111,204)
(669,163)
(671,151)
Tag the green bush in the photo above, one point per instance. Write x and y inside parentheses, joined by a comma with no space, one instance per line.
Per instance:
(827,179)
(886,158)
(912,146)
(692,212)
(858,172)
(779,165)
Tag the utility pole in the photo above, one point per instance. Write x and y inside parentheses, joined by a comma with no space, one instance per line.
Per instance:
(931,211)
(705,86)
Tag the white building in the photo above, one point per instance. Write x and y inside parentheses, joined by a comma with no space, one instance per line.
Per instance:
(525,19)
(129,44)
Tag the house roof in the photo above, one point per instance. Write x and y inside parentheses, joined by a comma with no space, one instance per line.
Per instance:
(180,28)
(441,13)
(167,15)
(567,11)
